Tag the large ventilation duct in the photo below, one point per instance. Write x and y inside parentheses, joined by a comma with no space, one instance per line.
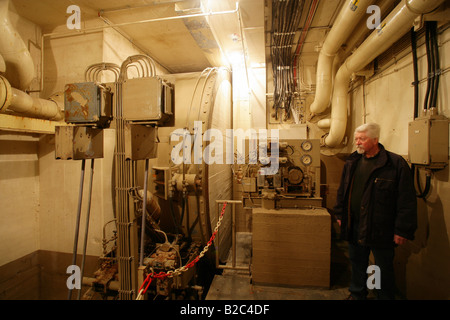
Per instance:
(345,23)
(396,24)
(18,61)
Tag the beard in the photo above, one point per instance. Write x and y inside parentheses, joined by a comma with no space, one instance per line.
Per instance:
(360,150)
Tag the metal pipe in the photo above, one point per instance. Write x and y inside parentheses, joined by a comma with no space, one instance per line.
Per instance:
(86,232)
(77,225)
(18,60)
(233,239)
(144,211)
(396,24)
(233,234)
(348,18)
(20,102)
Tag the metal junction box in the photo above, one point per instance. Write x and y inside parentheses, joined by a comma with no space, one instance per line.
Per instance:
(87,103)
(140,142)
(147,100)
(428,141)
(77,143)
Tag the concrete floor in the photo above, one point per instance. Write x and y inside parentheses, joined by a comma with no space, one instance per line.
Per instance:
(237,285)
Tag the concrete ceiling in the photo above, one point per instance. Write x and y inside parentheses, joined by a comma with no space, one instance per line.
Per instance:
(189,44)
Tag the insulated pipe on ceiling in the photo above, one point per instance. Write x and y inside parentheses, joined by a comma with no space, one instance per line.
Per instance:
(396,24)
(345,23)
(18,61)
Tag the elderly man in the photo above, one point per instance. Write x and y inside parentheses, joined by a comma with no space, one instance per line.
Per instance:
(376,208)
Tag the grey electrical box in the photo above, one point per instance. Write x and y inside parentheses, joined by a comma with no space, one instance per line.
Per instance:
(147,100)
(87,103)
(428,141)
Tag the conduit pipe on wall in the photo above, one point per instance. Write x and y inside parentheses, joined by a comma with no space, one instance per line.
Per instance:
(396,24)
(19,64)
(345,23)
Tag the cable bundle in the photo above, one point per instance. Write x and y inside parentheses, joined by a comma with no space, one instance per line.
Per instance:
(286,16)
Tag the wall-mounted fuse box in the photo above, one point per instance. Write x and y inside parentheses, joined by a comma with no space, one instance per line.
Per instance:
(428,141)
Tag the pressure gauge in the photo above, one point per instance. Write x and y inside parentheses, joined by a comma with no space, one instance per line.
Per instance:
(307,146)
(306,160)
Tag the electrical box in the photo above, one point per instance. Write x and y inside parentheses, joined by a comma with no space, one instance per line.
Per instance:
(147,100)
(140,142)
(77,143)
(428,141)
(87,103)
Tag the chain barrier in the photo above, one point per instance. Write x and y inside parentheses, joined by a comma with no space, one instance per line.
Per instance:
(173,273)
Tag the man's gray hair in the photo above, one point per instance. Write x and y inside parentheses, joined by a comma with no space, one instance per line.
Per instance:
(371,129)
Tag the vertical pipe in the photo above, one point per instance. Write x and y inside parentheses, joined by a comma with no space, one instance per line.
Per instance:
(87,224)
(347,20)
(217,236)
(77,226)
(233,231)
(144,213)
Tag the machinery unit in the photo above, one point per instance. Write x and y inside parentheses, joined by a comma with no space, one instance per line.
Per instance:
(88,103)
(295,184)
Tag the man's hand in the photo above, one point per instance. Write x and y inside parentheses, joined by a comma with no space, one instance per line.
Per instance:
(339,222)
(399,240)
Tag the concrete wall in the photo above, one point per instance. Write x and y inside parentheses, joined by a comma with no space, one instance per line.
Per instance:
(19,196)
(19,172)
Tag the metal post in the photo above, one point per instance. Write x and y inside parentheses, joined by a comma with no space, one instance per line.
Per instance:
(233,224)
(144,213)
(77,226)
(87,224)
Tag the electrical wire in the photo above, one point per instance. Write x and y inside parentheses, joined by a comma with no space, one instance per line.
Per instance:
(285,20)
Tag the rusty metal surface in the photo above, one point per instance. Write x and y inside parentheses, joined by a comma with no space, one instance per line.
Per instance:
(87,103)
(78,142)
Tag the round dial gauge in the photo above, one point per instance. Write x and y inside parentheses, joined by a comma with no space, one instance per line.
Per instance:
(307,145)
(306,160)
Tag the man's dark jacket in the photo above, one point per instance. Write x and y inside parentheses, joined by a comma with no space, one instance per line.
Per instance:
(388,203)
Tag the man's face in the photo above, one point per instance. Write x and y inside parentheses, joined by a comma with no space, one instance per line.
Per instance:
(364,143)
